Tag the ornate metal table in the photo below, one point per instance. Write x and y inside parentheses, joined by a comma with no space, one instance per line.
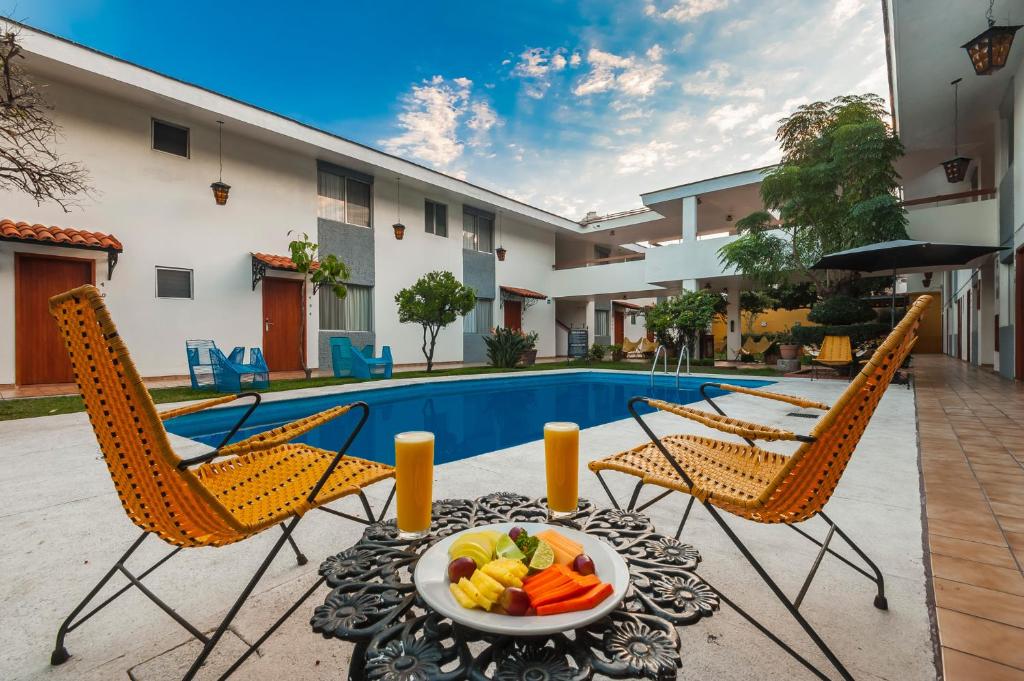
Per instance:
(373,604)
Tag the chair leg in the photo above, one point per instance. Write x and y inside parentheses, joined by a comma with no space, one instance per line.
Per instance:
(300,558)
(880,601)
(686,514)
(636,495)
(60,654)
(607,490)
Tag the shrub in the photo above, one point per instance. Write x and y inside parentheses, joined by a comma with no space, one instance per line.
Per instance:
(617,353)
(841,311)
(597,352)
(858,333)
(505,347)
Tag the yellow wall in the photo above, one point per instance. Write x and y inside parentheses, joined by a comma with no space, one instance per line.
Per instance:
(772,321)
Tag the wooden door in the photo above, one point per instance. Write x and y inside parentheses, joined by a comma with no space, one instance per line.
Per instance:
(959,328)
(283,343)
(620,320)
(40,353)
(1018,317)
(970,313)
(513,314)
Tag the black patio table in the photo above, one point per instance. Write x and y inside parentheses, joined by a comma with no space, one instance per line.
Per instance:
(373,603)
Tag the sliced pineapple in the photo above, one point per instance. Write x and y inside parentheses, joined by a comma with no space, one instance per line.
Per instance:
(502,575)
(487,585)
(474,593)
(462,597)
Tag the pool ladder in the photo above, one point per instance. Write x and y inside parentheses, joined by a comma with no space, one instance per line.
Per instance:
(663,353)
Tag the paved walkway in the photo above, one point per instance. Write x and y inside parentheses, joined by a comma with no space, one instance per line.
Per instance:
(971,424)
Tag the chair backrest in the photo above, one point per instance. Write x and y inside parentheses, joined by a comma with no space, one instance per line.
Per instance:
(156,495)
(341,355)
(385,353)
(629,345)
(761,346)
(836,349)
(811,474)
(199,352)
(367,351)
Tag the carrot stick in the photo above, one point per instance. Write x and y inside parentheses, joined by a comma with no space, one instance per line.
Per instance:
(586,601)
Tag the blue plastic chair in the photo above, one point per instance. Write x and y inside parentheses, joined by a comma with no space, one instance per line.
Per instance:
(346,360)
(341,356)
(209,369)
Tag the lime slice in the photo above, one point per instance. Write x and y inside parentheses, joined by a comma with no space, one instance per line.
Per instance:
(507,548)
(543,556)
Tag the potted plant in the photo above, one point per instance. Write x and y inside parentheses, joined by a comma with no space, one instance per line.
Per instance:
(529,356)
(788,347)
(617,353)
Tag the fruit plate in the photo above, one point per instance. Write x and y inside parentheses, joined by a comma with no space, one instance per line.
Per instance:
(431,580)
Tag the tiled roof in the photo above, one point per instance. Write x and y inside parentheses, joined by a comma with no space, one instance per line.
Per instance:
(629,306)
(523,292)
(63,236)
(280,262)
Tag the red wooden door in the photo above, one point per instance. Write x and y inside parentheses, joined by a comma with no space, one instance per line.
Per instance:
(513,314)
(619,320)
(40,353)
(283,344)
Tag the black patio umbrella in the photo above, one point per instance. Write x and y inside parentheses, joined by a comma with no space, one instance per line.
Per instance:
(904,256)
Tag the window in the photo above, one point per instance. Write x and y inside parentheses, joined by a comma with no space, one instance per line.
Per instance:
(173,282)
(477,230)
(601,322)
(602,252)
(354,312)
(435,218)
(343,198)
(479,319)
(170,138)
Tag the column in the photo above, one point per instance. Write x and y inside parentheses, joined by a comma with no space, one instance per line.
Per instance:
(591,321)
(689,218)
(733,333)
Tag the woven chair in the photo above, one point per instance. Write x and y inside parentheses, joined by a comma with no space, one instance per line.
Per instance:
(219,498)
(763,486)
(836,353)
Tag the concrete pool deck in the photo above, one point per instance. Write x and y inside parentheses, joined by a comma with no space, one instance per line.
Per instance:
(64,527)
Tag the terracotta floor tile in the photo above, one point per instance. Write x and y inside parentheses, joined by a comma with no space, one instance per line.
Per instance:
(980,637)
(987,533)
(1016,540)
(978,574)
(1011,524)
(957,666)
(1011,510)
(1000,556)
(981,602)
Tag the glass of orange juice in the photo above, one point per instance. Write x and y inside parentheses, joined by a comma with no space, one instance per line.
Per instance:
(414,482)
(561,457)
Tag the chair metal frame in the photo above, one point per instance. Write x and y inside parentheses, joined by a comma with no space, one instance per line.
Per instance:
(60,653)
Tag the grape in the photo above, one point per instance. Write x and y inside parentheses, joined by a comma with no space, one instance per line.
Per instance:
(514,601)
(583,564)
(461,567)
(514,533)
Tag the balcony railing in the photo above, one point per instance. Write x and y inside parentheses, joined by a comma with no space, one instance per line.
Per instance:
(593,262)
(957,197)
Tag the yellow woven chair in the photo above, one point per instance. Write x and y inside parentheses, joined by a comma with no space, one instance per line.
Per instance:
(222,497)
(646,346)
(764,486)
(629,346)
(836,353)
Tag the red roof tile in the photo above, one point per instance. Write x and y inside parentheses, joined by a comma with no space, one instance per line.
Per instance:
(280,262)
(523,292)
(64,236)
(628,306)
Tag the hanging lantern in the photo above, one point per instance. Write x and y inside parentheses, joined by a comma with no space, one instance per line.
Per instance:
(398,226)
(988,50)
(956,167)
(220,190)
(500,252)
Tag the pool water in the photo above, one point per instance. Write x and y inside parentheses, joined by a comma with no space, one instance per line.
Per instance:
(468,417)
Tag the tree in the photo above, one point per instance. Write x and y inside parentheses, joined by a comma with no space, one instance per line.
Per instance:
(678,321)
(834,189)
(754,302)
(436,300)
(328,272)
(29,161)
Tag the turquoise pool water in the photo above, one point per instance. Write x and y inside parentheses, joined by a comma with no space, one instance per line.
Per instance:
(468,417)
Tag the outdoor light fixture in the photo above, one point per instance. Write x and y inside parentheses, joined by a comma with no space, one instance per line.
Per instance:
(398,226)
(956,168)
(988,51)
(220,190)
(500,250)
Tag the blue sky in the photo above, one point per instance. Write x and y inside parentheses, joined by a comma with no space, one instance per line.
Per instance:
(570,106)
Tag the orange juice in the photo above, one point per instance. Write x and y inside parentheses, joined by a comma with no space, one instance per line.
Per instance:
(561,455)
(414,481)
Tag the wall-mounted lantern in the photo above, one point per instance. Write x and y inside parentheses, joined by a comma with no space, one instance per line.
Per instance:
(220,190)
(500,250)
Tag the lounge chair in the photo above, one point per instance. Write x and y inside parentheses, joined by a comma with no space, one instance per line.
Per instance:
(752,347)
(209,369)
(761,485)
(835,353)
(346,360)
(255,484)
(629,346)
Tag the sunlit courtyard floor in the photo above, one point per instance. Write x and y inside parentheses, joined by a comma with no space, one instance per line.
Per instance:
(63,527)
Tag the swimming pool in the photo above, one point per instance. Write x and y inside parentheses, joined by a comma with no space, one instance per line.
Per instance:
(468,417)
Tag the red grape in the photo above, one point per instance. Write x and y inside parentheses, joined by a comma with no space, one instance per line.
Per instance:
(461,567)
(514,601)
(514,533)
(583,564)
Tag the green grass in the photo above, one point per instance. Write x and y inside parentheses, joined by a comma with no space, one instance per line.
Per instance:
(45,406)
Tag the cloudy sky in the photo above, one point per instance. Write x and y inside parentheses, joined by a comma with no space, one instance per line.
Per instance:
(570,106)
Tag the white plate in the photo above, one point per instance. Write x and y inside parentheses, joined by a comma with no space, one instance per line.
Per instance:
(431,580)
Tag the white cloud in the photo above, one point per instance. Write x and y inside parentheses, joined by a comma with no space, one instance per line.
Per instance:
(714,82)
(575,59)
(625,75)
(536,66)
(844,10)
(431,118)
(684,11)
(647,157)
(730,116)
